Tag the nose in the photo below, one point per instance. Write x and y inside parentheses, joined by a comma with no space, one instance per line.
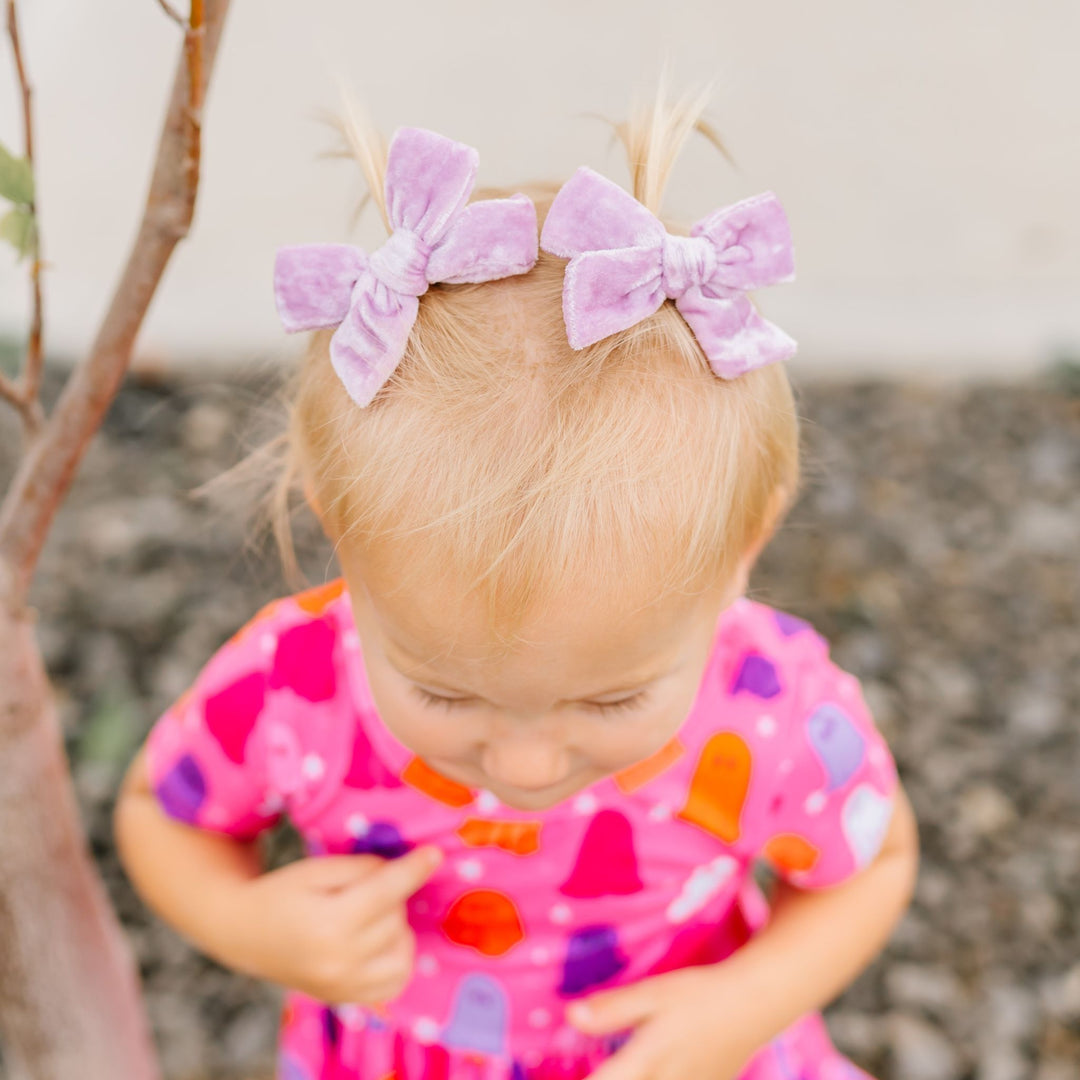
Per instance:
(525,764)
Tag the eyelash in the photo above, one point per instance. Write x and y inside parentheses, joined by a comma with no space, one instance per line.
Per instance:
(626,704)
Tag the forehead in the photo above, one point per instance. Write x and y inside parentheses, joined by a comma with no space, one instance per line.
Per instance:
(583,636)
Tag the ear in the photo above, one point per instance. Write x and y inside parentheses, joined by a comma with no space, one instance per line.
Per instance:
(777,506)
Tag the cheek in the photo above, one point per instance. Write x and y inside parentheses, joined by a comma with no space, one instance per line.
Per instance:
(622,741)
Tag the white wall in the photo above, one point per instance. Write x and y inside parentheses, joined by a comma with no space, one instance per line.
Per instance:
(928,152)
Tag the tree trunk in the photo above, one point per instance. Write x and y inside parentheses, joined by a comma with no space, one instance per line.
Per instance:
(69,998)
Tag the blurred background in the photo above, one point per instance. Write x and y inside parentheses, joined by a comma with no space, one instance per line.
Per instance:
(928,156)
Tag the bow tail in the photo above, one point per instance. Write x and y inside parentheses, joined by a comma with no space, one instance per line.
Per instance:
(313,283)
(733,336)
(608,291)
(367,346)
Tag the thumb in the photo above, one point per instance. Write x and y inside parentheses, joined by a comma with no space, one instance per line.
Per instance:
(613,1010)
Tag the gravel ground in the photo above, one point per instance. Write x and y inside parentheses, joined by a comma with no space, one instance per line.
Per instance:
(935,545)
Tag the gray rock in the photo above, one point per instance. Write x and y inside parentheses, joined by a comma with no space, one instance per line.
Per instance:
(921,1051)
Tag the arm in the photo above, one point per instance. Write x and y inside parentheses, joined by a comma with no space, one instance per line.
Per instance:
(817,942)
(191,877)
(704,1023)
(334,927)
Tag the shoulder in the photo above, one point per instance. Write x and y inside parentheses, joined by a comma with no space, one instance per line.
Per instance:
(764,653)
(290,641)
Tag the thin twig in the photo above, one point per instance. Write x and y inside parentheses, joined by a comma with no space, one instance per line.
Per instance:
(47,469)
(9,390)
(26,392)
(195,35)
(173,14)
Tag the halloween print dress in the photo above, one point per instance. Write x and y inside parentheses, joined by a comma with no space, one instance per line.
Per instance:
(643,872)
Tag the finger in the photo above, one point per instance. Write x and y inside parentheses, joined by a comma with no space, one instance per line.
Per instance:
(628,1063)
(614,1010)
(332,873)
(383,934)
(397,879)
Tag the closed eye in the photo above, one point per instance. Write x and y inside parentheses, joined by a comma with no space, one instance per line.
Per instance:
(436,700)
(622,705)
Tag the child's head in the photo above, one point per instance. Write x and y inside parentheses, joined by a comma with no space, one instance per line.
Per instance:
(540,526)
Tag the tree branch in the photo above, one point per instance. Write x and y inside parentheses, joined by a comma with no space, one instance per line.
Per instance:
(25,394)
(47,469)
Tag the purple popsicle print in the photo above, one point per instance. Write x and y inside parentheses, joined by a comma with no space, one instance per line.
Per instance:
(757,676)
(182,790)
(593,956)
(837,743)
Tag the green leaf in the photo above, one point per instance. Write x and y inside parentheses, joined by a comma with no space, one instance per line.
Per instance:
(19,229)
(16,178)
(111,731)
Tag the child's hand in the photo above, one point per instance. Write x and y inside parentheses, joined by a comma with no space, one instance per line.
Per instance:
(688,1025)
(333,927)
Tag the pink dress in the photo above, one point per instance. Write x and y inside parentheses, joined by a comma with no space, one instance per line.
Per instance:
(642,872)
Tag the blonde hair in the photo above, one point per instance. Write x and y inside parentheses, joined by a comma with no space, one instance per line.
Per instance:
(523,468)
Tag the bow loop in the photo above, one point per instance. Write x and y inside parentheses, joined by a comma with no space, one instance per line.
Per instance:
(752,239)
(624,264)
(435,237)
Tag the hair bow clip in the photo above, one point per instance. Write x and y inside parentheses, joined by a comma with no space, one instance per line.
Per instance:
(624,264)
(437,236)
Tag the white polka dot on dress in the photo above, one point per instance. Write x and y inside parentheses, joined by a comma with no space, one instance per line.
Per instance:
(766,726)
(426,1029)
(539,1018)
(470,869)
(313,767)
(560,914)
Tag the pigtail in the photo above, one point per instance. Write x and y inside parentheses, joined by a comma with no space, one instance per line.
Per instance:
(654,135)
(364,144)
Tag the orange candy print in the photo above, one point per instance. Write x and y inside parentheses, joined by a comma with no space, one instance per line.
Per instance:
(316,599)
(484,920)
(640,774)
(718,789)
(790,852)
(424,778)
(517,837)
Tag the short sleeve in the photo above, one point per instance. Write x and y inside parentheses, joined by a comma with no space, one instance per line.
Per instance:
(835,778)
(206,755)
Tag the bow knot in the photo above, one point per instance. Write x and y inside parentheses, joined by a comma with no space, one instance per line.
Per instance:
(401,263)
(624,264)
(436,236)
(685,261)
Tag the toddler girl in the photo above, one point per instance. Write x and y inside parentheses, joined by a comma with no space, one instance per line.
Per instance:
(535,737)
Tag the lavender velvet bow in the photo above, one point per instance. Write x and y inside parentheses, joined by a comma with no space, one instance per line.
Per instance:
(435,237)
(624,264)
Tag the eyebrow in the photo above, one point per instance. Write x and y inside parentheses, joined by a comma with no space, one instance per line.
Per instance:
(637,684)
